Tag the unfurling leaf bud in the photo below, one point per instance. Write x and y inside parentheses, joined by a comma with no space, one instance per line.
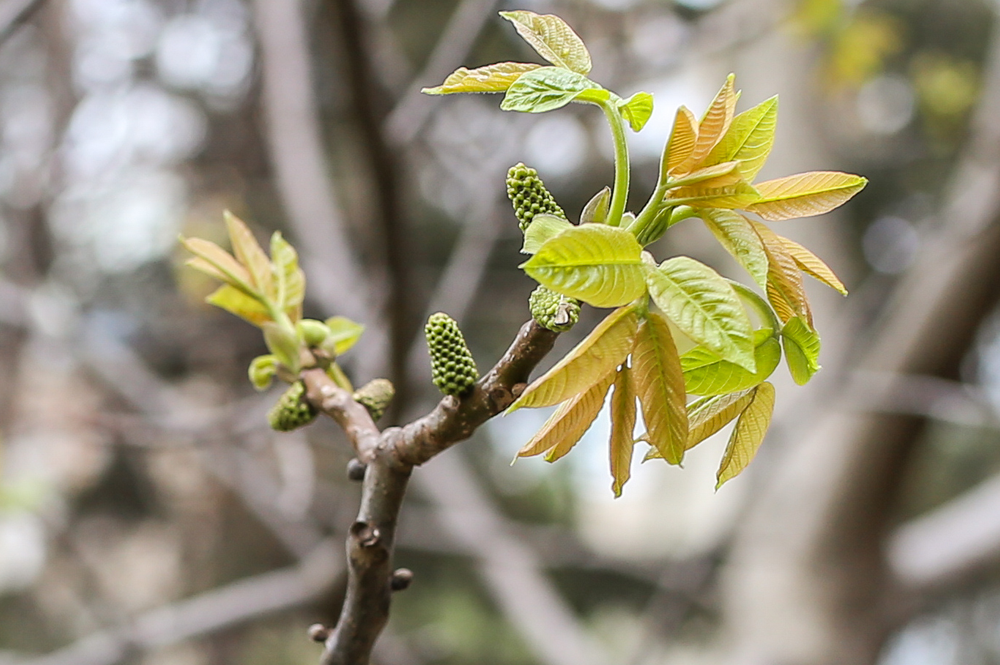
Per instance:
(552,310)
(283,342)
(262,370)
(292,410)
(313,332)
(375,396)
(528,195)
(452,367)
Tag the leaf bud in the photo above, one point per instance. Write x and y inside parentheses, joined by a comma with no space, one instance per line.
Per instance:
(283,342)
(261,371)
(375,396)
(313,332)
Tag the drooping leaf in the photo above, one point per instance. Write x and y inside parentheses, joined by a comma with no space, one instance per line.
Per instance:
(749,139)
(552,38)
(812,265)
(708,415)
(707,374)
(622,429)
(748,434)
(542,229)
(598,264)
(802,346)
(597,355)
(714,124)
(491,78)
(681,143)
(637,109)
(217,262)
(736,234)
(806,194)
(289,280)
(785,289)
(659,384)
(250,254)
(344,333)
(596,210)
(545,89)
(703,305)
(237,302)
(570,421)
(739,195)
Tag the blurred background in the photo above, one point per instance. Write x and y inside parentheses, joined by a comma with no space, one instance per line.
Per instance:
(149,516)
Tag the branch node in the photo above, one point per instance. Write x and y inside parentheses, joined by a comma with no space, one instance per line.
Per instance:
(356,469)
(366,534)
(319,633)
(517,389)
(401,579)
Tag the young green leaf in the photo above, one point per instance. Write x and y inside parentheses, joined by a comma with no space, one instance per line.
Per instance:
(237,302)
(802,348)
(596,210)
(289,280)
(785,288)
(552,39)
(284,343)
(220,264)
(250,254)
(681,143)
(542,229)
(713,125)
(545,89)
(598,264)
(637,109)
(805,194)
(596,356)
(708,415)
(344,333)
(736,234)
(491,78)
(812,265)
(707,374)
(622,429)
(739,195)
(703,305)
(659,384)
(748,435)
(570,421)
(749,139)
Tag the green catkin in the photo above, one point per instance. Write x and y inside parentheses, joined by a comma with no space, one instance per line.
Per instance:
(452,368)
(375,396)
(552,310)
(528,195)
(292,410)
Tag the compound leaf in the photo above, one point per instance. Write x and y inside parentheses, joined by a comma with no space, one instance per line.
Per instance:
(749,139)
(218,263)
(596,356)
(344,333)
(545,89)
(235,301)
(707,374)
(250,254)
(805,194)
(289,280)
(542,229)
(736,234)
(570,421)
(708,415)
(491,78)
(748,434)
(802,346)
(598,264)
(703,305)
(812,265)
(552,38)
(717,175)
(637,109)
(703,195)
(785,288)
(659,383)
(681,143)
(714,124)
(622,429)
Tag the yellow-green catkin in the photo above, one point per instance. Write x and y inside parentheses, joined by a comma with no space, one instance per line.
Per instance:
(528,195)
(453,369)
(292,410)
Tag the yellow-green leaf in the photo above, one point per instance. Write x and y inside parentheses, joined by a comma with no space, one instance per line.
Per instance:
(714,124)
(711,177)
(802,347)
(284,343)
(622,429)
(542,229)
(491,78)
(805,194)
(659,384)
(598,264)
(748,434)
(637,109)
(289,280)
(785,288)
(237,302)
(681,143)
(812,265)
(249,253)
(223,265)
(596,210)
(344,333)
(708,416)
(749,139)
(570,421)
(596,356)
(736,234)
(546,89)
(552,38)
(739,195)
(703,305)
(707,374)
